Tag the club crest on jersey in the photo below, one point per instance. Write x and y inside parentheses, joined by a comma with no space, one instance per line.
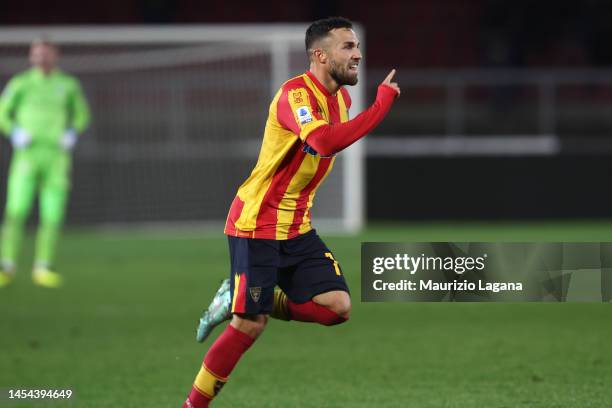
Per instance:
(297,97)
(304,115)
(255,294)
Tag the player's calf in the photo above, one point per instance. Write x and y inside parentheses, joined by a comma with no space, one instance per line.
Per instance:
(328,308)
(222,357)
(314,313)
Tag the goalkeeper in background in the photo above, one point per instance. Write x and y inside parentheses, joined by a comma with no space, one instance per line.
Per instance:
(42,111)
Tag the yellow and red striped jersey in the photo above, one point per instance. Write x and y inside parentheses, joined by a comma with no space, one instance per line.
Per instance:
(275,201)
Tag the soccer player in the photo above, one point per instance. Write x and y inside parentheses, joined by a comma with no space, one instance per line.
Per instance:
(271,240)
(42,110)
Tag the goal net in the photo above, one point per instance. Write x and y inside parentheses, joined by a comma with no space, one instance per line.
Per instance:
(177,119)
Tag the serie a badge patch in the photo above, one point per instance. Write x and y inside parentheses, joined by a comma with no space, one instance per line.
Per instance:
(304,115)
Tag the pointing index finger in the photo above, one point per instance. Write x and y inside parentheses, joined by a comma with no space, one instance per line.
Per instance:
(390,76)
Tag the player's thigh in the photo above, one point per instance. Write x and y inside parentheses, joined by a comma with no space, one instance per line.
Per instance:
(254,274)
(21,185)
(55,170)
(310,268)
(53,204)
(54,192)
(55,187)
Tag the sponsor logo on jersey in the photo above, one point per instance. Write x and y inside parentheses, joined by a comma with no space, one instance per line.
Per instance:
(217,387)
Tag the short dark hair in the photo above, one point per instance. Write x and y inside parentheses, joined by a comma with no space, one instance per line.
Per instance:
(321,28)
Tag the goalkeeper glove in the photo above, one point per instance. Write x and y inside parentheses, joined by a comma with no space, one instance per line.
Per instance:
(20,138)
(69,139)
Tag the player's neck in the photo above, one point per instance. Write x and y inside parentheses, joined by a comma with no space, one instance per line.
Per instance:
(325,79)
(46,71)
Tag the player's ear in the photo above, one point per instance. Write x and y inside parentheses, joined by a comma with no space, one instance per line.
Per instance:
(319,55)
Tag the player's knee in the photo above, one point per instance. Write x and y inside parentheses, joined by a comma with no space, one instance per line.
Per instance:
(342,307)
(338,302)
(16,214)
(53,217)
(251,325)
(51,221)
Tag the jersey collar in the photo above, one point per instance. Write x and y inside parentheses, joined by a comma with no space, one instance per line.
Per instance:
(38,73)
(318,84)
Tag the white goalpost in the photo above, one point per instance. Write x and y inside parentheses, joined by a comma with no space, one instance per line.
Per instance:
(178,114)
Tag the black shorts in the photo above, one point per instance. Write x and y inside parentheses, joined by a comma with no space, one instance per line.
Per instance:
(302,267)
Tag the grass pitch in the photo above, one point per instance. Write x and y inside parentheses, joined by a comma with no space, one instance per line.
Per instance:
(121,332)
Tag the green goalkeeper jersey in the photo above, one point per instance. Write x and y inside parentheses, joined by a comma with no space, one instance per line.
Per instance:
(45,106)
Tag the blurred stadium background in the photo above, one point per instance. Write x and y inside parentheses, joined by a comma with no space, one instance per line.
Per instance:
(503,132)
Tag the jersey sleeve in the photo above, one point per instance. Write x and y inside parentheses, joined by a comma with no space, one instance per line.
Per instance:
(79,108)
(331,139)
(8,103)
(297,111)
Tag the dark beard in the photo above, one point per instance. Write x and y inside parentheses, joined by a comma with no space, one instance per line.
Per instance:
(340,78)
